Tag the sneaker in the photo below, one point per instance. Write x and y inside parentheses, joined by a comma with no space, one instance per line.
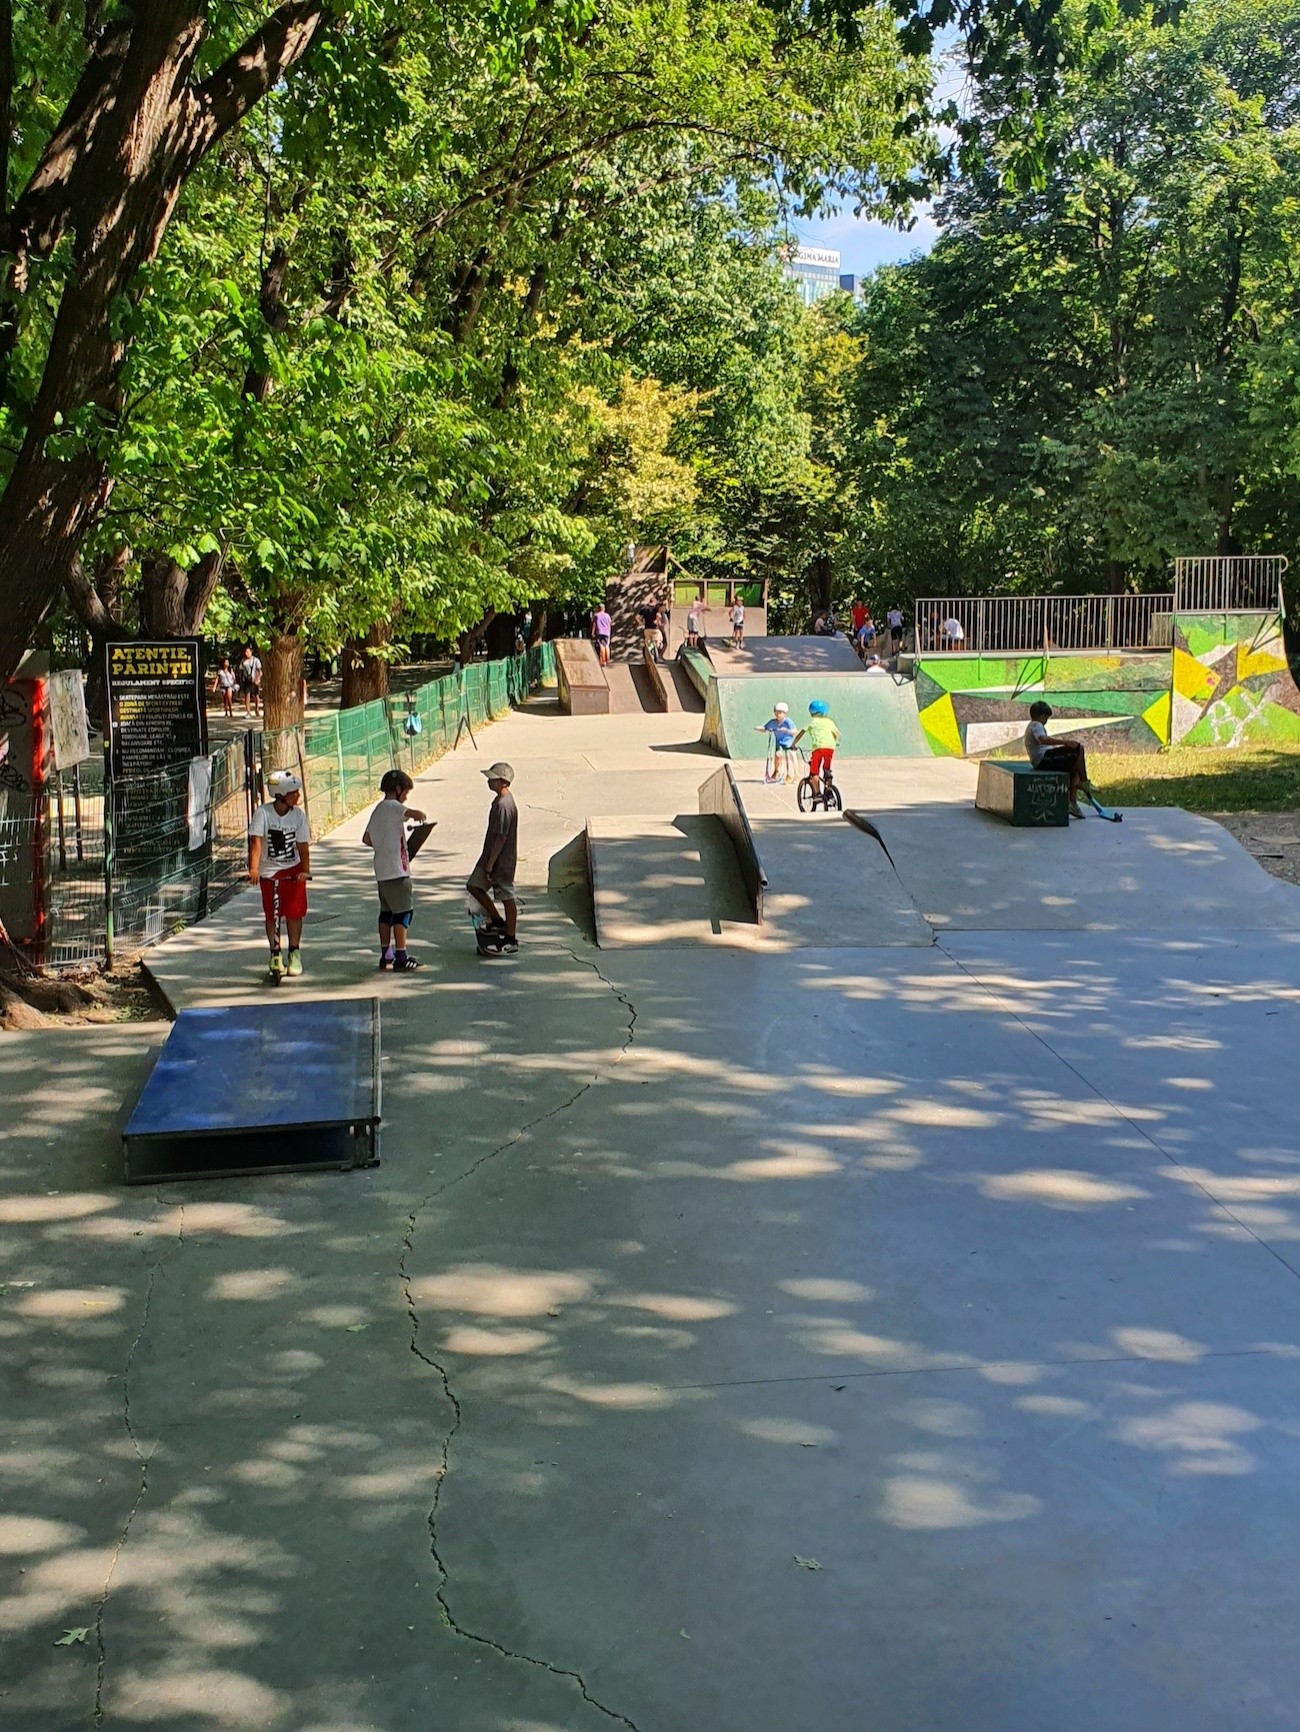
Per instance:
(385,962)
(509,947)
(403,964)
(295,962)
(1074,810)
(277,962)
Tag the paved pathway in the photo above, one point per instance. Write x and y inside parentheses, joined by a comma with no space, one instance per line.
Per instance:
(731,1341)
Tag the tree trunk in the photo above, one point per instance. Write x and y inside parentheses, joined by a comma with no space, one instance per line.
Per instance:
(134,130)
(282,682)
(365,676)
(538,632)
(468,641)
(173,601)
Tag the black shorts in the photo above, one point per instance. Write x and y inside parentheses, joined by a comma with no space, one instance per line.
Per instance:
(1057,758)
(896,633)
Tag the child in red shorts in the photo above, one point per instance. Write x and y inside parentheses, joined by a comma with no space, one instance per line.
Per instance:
(279,859)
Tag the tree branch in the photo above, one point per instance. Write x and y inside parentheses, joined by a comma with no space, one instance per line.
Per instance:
(226,96)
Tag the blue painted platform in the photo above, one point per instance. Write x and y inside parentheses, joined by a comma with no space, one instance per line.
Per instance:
(286,1086)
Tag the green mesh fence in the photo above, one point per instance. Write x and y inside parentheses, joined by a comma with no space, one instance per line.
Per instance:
(341,756)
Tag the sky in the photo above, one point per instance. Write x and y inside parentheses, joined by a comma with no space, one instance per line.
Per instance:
(864,243)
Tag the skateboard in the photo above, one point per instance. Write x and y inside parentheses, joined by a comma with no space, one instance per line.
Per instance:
(488,936)
(1105,812)
(417,836)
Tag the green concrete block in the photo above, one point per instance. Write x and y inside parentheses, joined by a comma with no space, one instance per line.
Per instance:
(1024,796)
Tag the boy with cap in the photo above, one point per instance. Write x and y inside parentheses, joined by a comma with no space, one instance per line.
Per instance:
(494,874)
(279,859)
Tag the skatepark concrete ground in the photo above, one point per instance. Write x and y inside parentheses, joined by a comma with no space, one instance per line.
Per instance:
(866,1335)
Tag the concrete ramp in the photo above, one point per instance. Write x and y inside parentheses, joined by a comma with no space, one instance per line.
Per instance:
(785,655)
(632,690)
(666,881)
(1161,870)
(828,883)
(875,713)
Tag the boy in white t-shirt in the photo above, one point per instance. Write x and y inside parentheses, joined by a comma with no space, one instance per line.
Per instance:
(279,859)
(738,625)
(386,834)
(1056,752)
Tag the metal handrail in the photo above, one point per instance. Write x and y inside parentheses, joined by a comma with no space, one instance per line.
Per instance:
(1230,583)
(1036,624)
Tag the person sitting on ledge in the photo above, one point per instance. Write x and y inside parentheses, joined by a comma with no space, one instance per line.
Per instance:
(1057,753)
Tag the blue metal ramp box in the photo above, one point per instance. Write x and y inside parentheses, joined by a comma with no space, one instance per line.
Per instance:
(280,1087)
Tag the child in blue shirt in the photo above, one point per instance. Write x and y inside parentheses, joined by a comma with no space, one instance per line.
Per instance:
(781,728)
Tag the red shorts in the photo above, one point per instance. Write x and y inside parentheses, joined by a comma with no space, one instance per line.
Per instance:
(820,760)
(293,896)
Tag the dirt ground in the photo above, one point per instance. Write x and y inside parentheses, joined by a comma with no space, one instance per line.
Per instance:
(1272,837)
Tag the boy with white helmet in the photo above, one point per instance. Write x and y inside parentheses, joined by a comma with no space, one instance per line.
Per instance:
(781,729)
(279,859)
(493,877)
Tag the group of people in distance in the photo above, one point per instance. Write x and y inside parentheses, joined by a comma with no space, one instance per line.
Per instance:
(654,628)
(244,677)
(279,861)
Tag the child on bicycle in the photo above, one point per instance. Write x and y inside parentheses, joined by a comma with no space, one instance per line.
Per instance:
(781,729)
(822,736)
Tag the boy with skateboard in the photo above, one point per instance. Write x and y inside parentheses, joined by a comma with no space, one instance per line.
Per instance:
(385,833)
(279,859)
(493,878)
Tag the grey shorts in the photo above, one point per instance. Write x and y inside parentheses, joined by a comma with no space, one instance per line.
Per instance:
(395,896)
(479,880)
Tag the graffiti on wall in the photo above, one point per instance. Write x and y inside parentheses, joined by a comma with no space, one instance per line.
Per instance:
(1232,685)
(972,705)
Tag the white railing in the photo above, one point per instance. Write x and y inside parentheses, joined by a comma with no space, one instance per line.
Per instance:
(1230,583)
(1033,624)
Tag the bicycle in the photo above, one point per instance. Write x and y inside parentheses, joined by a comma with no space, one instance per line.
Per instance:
(810,797)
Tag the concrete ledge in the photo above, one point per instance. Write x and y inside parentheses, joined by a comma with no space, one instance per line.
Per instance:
(1024,796)
(656,676)
(720,798)
(584,690)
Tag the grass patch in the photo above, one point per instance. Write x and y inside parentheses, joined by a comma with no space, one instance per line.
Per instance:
(1252,779)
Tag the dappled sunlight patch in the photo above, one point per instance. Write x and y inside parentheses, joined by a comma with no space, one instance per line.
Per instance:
(26,1535)
(1057,1188)
(943,1115)
(253,1284)
(836,1339)
(1159,1344)
(1017,1372)
(829,1082)
(1189,1083)
(788,1161)
(390,1482)
(1092,1111)
(67,1206)
(490,1290)
(1200,1437)
(239,1220)
(927,1503)
(1236,1187)
(1053,1406)
(223,1698)
(1172,1043)
(70,1304)
(944,1418)
(495,1343)
(678,1307)
(631,1397)
(826,1290)
(788,1431)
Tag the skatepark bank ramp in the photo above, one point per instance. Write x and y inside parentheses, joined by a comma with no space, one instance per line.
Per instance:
(875,713)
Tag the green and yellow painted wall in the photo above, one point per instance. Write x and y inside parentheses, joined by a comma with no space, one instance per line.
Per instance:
(1226,682)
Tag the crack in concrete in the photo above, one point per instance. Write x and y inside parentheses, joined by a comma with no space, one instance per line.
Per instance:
(444,1575)
(142,1460)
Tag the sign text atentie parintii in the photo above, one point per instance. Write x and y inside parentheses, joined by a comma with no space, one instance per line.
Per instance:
(156,707)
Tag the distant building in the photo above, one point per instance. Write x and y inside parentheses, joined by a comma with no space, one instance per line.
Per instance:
(815,272)
(848,283)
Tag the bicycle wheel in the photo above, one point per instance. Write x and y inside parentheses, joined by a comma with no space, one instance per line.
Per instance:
(807,795)
(832,799)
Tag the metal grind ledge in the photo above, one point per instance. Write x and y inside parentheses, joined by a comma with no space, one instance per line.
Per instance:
(260,1088)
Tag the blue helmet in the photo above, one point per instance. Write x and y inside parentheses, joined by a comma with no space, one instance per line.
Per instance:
(819,707)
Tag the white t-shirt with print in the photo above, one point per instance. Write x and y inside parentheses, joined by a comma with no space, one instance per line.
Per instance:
(738,614)
(1037,741)
(386,828)
(281,833)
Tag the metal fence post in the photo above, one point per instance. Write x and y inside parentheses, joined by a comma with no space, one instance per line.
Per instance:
(108,849)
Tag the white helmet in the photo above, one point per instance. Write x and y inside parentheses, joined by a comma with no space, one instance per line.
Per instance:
(781,709)
(282,782)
